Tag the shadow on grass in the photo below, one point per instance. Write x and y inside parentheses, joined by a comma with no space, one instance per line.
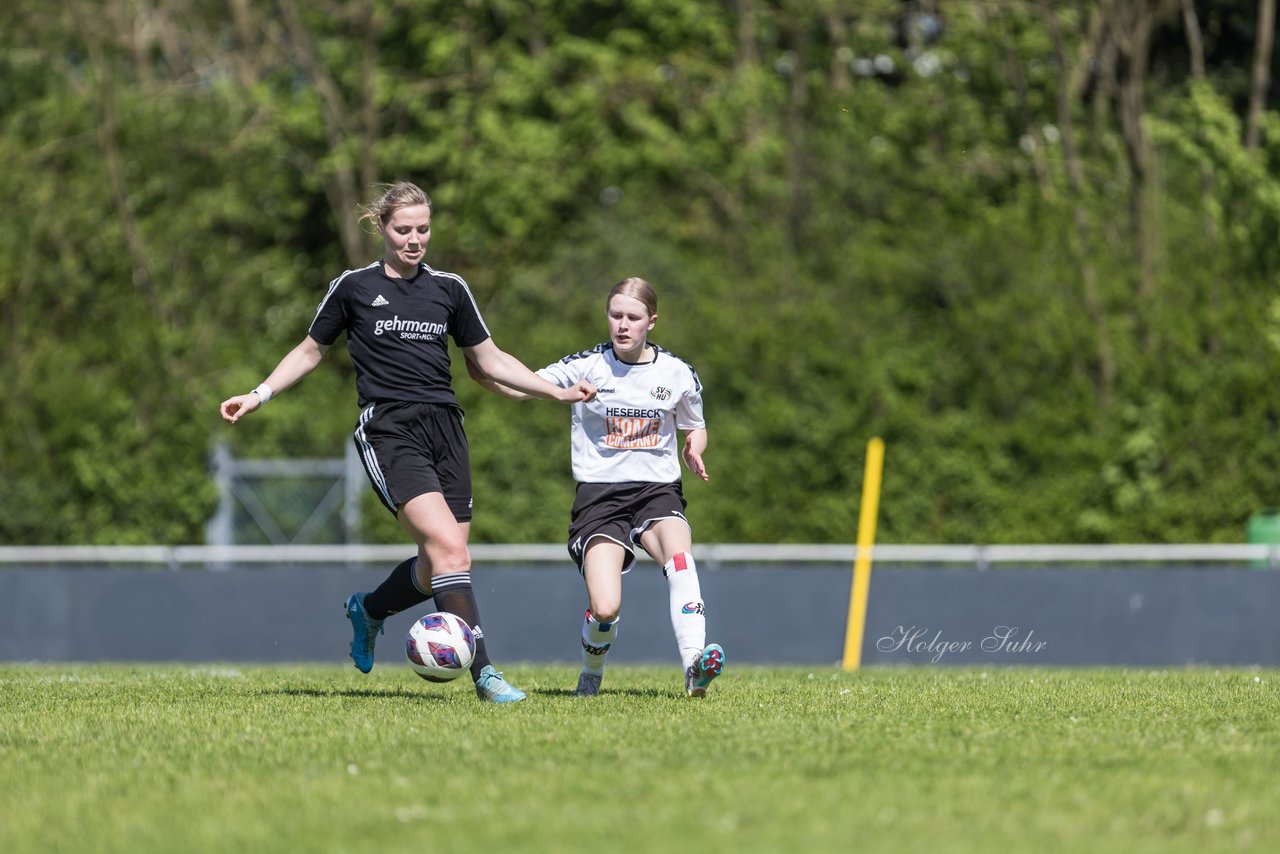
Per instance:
(604,692)
(399,693)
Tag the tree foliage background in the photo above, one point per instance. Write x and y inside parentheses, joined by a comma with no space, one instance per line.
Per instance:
(1033,245)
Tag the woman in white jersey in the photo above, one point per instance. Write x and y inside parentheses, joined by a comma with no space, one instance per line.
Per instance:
(626,460)
(398,314)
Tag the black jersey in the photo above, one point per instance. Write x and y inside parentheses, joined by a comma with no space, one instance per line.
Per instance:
(398,330)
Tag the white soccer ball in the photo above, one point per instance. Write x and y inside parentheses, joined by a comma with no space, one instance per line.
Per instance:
(440,646)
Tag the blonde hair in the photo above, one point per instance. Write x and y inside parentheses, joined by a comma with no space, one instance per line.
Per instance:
(637,289)
(401,194)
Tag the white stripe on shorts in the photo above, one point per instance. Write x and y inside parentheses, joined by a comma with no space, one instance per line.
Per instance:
(370,459)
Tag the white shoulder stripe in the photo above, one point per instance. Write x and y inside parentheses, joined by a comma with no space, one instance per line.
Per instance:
(333,286)
(465,287)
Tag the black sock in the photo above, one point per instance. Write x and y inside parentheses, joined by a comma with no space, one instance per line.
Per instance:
(397,593)
(454,594)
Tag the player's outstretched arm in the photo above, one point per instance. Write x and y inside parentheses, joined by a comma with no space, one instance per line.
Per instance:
(504,374)
(695,442)
(296,364)
(473,370)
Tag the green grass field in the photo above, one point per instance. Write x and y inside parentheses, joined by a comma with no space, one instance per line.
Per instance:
(319,758)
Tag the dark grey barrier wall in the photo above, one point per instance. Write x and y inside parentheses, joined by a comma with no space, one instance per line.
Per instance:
(794,614)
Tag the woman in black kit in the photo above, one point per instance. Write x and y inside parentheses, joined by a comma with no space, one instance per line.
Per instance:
(398,314)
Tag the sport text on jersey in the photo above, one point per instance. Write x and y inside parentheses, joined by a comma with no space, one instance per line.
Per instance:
(411,330)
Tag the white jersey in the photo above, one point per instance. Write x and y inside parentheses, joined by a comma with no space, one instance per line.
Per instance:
(628,433)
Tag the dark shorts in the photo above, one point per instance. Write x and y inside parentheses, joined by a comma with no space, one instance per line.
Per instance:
(621,512)
(410,449)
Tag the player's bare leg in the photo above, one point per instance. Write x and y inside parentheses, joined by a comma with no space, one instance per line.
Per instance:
(602,573)
(445,560)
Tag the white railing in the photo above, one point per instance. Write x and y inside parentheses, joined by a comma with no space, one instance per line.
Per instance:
(713,556)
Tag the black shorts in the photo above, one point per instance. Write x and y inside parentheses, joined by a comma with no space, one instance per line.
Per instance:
(621,512)
(409,449)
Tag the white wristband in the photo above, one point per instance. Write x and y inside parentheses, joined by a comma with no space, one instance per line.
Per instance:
(263,391)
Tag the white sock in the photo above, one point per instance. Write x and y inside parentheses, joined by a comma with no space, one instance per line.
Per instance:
(688,616)
(596,639)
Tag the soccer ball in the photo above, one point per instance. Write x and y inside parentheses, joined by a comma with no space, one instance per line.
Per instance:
(440,646)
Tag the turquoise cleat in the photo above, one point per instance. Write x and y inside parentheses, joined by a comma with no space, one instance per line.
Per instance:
(366,630)
(493,688)
(702,671)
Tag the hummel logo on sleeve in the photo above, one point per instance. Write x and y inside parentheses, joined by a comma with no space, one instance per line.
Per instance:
(381,300)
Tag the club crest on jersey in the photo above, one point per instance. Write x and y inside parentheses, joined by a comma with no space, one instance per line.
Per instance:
(660,393)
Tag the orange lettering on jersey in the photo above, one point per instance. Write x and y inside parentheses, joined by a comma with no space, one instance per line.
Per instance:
(633,432)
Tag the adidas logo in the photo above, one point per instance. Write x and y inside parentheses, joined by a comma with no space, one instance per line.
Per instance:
(380,300)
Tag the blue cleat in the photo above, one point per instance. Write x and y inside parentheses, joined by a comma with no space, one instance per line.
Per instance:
(366,630)
(493,688)
(702,671)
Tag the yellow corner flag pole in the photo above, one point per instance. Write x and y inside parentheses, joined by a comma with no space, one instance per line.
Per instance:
(862,561)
